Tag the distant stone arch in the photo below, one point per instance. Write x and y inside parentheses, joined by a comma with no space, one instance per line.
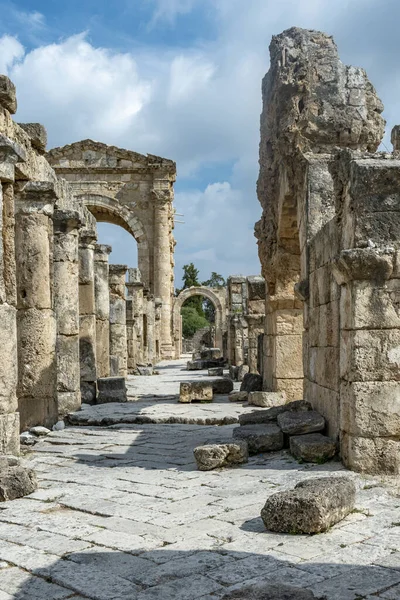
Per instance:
(217,296)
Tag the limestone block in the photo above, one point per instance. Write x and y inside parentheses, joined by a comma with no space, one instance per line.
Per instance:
(370,355)
(68,367)
(102,347)
(289,356)
(312,447)
(9,433)
(326,402)
(86,264)
(288,322)
(210,354)
(242,370)
(88,392)
(68,402)
(265,591)
(252,382)
(111,389)
(324,366)
(86,298)
(87,350)
(8,94)
(222,386)
(312,507)
(267,399)
(371,408)
(66,247)
(293,388)
(16,482)
(37,134)
(271,414)
(324,325)
(216,371)
(260,438)
(364,305)
(194,365)
(33,260)
(66,303)
(8,359)
(370,264)
(117,310)
(299,422)
(375,456)
(238,396)
(201,391)
(221,455)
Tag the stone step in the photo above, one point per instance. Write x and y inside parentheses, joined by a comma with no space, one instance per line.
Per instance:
(260,438)
(297,423)
(271,414)
(213,456)
(312,447)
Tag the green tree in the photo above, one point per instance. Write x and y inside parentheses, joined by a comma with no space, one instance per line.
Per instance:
(191,279)
(191,321)
(215,281)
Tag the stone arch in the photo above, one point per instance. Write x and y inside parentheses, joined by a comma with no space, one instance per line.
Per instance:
(217,296)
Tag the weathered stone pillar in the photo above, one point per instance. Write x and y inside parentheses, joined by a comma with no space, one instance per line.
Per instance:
(87,316)
(163,272)
(9,416)
(157,329)
(135,293)
(66,306)
(118,342)
(150,327)
(36,324)
(102,304)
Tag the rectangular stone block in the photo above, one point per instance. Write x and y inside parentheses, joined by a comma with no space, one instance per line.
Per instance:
(324,325)
(68,368)
(371,455)
(288,356)
(326,402)
(200,391)
(324,366)
(370,355)
(364,305)
(86,298)
(68,402)
(267,399)
(8,359)
(111,389)
(289,322)
(293,388)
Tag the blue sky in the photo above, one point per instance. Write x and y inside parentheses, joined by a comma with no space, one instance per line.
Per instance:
(181,79)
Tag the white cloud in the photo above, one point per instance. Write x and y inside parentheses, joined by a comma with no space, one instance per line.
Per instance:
(168,10)
(10,51)
(33,20)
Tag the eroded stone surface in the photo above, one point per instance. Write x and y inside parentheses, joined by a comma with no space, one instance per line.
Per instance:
(111,389)
(271,414)
(221,455)
(299,422)
(201,391)
(252,382)
(267,399)
(312,447)
(260,438)
(16,482)
(270,592)
(238,396)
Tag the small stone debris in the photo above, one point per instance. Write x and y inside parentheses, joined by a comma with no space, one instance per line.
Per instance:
(260,438)
(312,447)
(297,423)
(213,456)
(312,506)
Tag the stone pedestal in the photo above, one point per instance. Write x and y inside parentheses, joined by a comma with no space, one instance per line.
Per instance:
(87,316)
(36,324)
(66,306)
(118,340)
(102,304)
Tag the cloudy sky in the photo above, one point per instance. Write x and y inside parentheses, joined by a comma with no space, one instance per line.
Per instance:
(181,79)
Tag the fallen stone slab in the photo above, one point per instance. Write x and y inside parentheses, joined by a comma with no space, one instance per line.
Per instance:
(210,354)
(252,382)
(238,396)
(145,371)
(213,456)
(260,438)
(111,389)
(297,423)
(16,482)
(276,591)
(194,365)
(39,431)
(267,399)
(271,414)
(312,506)
(222,386)
(312,447)
(216,371)
(192,391)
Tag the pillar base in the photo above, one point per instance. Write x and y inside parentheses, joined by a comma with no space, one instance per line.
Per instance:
(168,352)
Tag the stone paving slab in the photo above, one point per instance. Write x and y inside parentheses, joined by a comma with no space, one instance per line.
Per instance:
(122,513)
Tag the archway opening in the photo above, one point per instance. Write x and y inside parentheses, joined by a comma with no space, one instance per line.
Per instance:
(123,244)
(198,324)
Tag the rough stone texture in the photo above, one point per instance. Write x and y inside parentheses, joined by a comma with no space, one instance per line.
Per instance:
(111,389)
(296,423)
(216,371)
(222,386)
(16,482)
(118,339)
(214,456)
(260,438)
(195,365)
(102,307)
(270,592)
(201,391)
(252,382)
(210,354)
(238,396)
(267,399)
(8,95)
(312,447)
(37,134)
(271,414)
(313,506)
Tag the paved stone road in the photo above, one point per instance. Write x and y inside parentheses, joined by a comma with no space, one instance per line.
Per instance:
(123,514)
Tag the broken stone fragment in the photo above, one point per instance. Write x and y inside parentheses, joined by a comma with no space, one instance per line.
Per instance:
(312,447)
(238,396)
(111,389)
(59,426)
(200,391)
(194,365)
(8,94)
(28,439)
(312,507)
(145,371)
(216,371)
(221,455)
(264,591)
(39,431)
(297,423)
(271,414)
(211,354)
(260,438)
(38,135)
(242,371)
(222,386)
(16,482)
(252,382)
(267,399)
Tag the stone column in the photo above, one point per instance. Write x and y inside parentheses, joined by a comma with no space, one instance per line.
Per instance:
(66,306)
(150,327)
(87,316)
(9,416)
(162,194)
(157,329)
(36,324)
(118,341)
(134,319)
(102,304)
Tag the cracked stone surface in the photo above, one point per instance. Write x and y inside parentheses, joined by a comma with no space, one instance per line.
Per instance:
(122,513)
